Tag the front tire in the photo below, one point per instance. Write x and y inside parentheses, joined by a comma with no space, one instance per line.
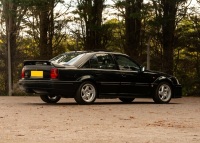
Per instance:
(163,93)
(86,93)
(50,98)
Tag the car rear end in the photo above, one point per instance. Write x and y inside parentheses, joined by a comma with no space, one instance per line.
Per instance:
(36,75)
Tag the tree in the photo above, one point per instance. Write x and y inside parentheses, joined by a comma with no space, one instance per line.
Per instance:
(168,29)
(13,16)
(45,9)
(170,8)
(91,13)
(13,11)
(113,35)
(133,27)
(47,26)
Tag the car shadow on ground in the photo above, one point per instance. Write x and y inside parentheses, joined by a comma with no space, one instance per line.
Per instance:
(95,103)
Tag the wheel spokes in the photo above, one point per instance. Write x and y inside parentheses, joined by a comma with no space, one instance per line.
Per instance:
(88,93)
(164,92)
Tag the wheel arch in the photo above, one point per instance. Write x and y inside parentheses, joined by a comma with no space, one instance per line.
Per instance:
(89,78)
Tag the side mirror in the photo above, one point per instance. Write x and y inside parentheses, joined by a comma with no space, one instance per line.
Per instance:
(143,69)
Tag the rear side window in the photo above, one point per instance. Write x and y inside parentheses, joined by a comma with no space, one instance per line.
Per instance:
(106,61)
(74,60)
(100,61)
(91,63)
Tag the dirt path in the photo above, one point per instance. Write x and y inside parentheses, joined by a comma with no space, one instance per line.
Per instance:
(29,120)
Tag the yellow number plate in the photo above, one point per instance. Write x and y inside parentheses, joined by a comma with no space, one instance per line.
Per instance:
(37,74)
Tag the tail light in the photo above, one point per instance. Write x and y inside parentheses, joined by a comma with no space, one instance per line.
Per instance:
(23,73)
(54,73)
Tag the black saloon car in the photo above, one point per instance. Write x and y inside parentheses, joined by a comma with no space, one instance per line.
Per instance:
(94,75)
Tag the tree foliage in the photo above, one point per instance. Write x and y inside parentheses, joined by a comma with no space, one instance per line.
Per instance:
(90,13)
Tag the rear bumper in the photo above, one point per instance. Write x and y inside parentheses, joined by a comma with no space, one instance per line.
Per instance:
(54,87)
(32,86)
(177,91)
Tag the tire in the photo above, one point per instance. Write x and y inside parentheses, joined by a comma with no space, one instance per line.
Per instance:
(50,98)
(126,100)
(86,93)
(163,93)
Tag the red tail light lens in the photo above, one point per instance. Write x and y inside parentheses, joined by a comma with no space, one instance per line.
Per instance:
(54,73)
(23,73)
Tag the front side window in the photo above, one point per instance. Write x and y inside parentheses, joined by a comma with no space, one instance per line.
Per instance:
(126,64)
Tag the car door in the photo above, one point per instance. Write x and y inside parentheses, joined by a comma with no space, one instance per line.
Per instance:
(105,73)
(129,73)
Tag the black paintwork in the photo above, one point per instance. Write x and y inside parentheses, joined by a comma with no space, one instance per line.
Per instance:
(111,81)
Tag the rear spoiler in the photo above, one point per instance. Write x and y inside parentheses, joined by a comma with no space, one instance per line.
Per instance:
(37,62)
(57,65)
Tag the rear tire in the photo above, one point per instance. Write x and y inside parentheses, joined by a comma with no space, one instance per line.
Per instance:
(50,98)
(163,93)
(126,100)
(86,93)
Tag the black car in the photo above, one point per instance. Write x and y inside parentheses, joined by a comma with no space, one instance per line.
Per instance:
(94,75)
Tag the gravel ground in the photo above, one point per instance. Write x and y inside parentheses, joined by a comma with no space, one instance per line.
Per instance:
(26,119)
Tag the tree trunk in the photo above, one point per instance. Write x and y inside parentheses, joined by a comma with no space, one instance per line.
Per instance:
(133,27)
(46,29)
(10,16)
(168,30)
(6,17)
(43,42)
(92,15)
(51,28)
